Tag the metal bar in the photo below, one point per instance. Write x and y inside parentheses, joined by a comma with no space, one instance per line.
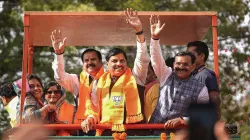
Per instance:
(215,45)
(106,126)
(118,13)
(30,59)
(24,64)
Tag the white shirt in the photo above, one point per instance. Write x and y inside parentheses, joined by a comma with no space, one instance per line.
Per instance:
(68,81)
(12,110)
(141,63)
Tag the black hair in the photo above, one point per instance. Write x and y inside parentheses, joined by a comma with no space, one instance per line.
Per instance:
(30,77)
(170,61)
(50,84)
(201,47)
(150,66)
(7,91)
(99,55)
(186,54)
(114,52)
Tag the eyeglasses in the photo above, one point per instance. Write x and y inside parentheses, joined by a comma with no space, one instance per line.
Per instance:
(54,91)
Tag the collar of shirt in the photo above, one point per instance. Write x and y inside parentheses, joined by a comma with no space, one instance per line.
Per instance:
(13,103)
(198,69)
(90,77)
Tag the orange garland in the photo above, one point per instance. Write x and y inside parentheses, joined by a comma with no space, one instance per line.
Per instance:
(119,136)
(172,136)
(163,136)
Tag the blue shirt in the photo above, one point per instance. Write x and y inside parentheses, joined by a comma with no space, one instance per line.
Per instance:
(206,76)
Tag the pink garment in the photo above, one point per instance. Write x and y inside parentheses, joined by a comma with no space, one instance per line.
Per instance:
(19,84)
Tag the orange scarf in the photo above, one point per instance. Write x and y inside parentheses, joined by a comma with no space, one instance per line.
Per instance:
(112,104)
(65,115)
(85,104)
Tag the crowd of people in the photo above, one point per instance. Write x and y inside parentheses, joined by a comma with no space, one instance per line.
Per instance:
(153,91)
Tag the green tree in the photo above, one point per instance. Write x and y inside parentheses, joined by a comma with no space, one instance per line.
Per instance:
(10,41)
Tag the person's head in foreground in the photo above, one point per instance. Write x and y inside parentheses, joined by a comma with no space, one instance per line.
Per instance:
(35,131)
(219,133)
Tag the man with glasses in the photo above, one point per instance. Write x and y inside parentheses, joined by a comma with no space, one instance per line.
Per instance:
(203,74)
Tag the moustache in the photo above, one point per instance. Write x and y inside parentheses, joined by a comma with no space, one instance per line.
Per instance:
(90,65)
(179,69)
(117,67)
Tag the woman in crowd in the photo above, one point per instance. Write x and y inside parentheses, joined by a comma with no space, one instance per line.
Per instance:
(54,96)
(34,108)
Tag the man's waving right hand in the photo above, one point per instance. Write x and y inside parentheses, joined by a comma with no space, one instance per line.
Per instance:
(134,22)
(155,26)
(133,19)
(57,42)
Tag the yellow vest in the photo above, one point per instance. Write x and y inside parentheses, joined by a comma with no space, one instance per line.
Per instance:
(85,105)
(112,102)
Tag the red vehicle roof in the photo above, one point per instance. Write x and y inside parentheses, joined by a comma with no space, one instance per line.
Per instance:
(111,29)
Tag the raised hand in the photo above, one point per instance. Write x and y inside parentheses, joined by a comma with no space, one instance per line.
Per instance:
(133,19)
(57,42)
(155,26)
